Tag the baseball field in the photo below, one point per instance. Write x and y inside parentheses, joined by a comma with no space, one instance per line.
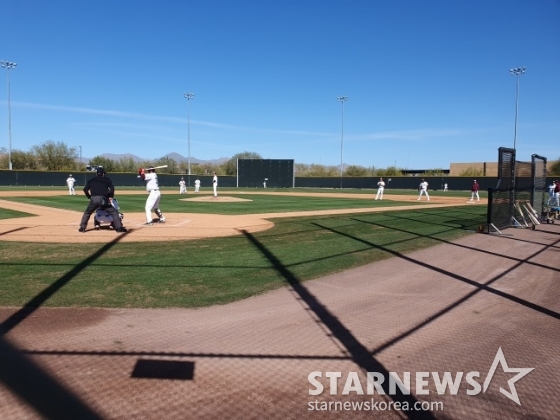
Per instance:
(228,308)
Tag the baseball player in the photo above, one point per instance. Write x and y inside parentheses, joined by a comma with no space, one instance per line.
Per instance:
(445,187)
(215,184)
(474,191)
(423,190)
(551,195)
(152,203)
(102,216)
(197,185)
(557,194)
(70,181)
(182,186)
(100,191)
(380,188)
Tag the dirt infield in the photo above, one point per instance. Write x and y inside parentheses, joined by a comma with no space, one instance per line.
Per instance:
(61,226)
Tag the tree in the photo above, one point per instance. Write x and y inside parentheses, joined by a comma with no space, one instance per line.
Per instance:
(109,165)
(24,160)
(323,171)
(56,156)
(126,164)
(230,166)
(172,166)
(356,170)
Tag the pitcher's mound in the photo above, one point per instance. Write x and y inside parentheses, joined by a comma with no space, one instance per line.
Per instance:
(218,199)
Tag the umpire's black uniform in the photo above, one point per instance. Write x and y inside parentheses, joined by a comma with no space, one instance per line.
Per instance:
(99,189)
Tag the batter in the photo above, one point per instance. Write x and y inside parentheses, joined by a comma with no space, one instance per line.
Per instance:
(152,203)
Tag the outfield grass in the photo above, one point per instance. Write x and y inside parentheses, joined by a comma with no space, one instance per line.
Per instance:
(259,203)
(219,270)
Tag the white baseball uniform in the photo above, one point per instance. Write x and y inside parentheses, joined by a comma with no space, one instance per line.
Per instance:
(152,203)
(197,185)
(424,190)
(182,186)
(215,185)
(551,195)
(70,182)
(380,188)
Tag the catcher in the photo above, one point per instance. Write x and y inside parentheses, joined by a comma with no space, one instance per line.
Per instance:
(102,216)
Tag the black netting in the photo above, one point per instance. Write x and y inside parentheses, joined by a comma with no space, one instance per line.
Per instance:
(540,193)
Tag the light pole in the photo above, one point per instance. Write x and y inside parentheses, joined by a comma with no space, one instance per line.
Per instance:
(188,97)
(517,71)
(80,164)
(8,65)
(342,99)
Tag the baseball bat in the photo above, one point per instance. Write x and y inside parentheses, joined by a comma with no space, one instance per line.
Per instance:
(159,167)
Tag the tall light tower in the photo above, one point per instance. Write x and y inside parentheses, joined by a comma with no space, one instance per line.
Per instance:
(8,65)
(342,99)
(517,71)
(188,97)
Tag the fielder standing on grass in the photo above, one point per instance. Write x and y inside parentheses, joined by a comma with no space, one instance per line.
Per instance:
(380,188)
(70,181)
(100,191)
(197,185)
(215,184)
(152,186)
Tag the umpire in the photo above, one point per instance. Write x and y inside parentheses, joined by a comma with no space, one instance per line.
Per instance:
(100,191)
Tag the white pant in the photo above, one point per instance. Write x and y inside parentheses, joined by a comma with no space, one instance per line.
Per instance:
(424,192)
(475,194)
(182,190)
(152,203)
(379,195)
(215,186)
(71,190)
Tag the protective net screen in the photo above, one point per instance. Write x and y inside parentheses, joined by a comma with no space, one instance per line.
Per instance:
(539,182)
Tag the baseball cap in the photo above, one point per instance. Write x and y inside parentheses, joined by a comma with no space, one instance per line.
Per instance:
(100,170)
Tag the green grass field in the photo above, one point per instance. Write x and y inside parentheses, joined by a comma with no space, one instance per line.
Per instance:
(259,203)
(220,270)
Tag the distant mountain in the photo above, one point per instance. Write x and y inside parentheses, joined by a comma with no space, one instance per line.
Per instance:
(175,156)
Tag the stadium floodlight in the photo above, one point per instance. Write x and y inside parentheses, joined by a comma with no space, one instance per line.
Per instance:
(517,71)
(8,65)
(188,97)
(342,99)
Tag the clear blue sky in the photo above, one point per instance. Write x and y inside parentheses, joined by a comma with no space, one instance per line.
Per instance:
(427,81)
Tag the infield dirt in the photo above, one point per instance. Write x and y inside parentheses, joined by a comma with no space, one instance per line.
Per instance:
(61,226)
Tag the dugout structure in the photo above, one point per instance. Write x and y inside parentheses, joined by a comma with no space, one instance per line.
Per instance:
(519,196)
(277,173)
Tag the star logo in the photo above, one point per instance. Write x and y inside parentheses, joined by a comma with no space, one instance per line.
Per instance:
(521,372)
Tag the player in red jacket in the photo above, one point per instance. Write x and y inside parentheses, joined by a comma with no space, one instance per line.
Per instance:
(474,191)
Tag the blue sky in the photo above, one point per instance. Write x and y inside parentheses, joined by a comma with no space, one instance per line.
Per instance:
(427,82)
